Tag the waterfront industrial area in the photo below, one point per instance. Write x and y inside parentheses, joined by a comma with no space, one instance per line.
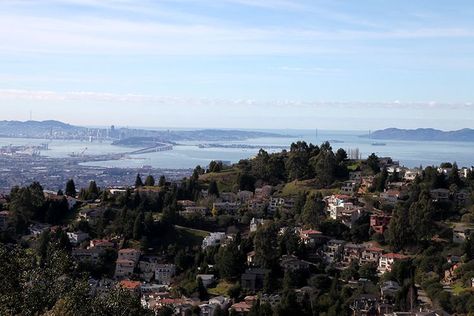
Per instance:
(23,164)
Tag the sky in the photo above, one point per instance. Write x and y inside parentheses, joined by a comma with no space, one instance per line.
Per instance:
(338,64)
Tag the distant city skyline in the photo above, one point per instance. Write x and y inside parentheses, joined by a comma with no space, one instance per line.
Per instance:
(271,64)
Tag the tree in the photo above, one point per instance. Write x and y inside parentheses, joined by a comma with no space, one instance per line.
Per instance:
(373,163)
(341,155)
(215,166)
(246,182)
(93,191)
(324,166)
(312,210)
(138,226)
(454,178)
(399,231)
(138,181)
(162,181)
(71,188)
(202,291)
(213,189)
(229,261)
(150,181)
(266,246)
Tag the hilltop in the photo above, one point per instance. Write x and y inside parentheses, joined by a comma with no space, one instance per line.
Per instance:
(424,134)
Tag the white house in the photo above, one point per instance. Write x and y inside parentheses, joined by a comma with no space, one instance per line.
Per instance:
(214,239)
(207,279)
(76,238)
(387,260)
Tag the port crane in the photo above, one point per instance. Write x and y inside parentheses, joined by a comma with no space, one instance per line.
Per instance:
(80,154)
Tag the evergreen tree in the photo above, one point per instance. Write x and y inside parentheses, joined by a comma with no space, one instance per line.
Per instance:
(213,189)
(71,188)
(138,226)
(341,155)
(201,289)
(138,181)
(162,181)
(312,211)
(93,191)
(399,231)
(266,246)
(150,181)
(373,163)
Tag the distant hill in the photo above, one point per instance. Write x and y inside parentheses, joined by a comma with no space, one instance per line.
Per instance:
(122,136)
(35,128)
(424,134)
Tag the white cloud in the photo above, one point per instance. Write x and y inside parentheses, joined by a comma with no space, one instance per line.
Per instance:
(140,99)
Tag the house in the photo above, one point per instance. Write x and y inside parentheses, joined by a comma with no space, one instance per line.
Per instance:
(351,253)
(256,205)
(348,216)
(228,197)
(349,187)
(222,301)
(186,203)
(264,192)
(129,254)
(101,243)
(355,176)
(255,223)
(244,196)
(53,196)
(91,215)
(310,236)
(390,196)
(292,263)
(4,217)
(411,174)
(207,309)
(339,208)
(371,255)
(450,273)
(379,222)
(124,268)
(146,267)
(280,204)
(461,233)
(253,278)
(207,279)
(213,240)
(387,260)
(272,299)
(365,304)
(243,308)
(87,255)
(164,273)
(76,238)
(38,229)
(440,195)
(251,258)
(333,250)
(190,210)
(133,286)
(389,290)
(462,197)
(225,208)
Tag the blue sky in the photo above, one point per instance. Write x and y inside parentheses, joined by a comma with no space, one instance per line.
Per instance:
(239,63)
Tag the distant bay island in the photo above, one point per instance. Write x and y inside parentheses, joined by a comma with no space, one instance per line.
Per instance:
(423,134)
